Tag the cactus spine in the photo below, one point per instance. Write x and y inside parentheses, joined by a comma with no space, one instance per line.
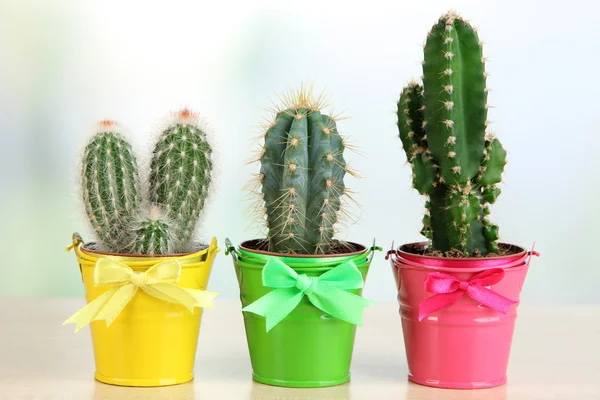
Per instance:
(442,125)
(110,185)
(181,173)
(302,177)
(181,170)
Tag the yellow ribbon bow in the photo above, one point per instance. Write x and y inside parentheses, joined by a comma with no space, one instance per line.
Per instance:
(158,281)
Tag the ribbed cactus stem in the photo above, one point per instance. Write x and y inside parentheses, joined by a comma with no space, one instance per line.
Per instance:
(427,230)
(302,176)
(110,185)
(411,118)
(455,98)
(152,236)
(181,173)
(442,125)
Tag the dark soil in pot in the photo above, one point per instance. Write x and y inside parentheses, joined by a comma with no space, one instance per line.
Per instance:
(422,249)
(93,247)
(339,248)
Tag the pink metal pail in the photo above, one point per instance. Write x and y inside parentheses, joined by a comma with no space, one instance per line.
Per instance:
(465,344)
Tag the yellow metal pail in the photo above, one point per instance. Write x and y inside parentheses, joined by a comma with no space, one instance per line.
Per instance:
(152,342)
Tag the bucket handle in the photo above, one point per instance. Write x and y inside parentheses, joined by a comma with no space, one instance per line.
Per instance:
(76,242)
(372,250)
(388,255)
(391,252)
(532,253)
(230,249)
(213,249)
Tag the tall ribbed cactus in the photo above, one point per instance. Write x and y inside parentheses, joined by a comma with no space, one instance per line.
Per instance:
(179,180)
(442,126)
(181,173)
(110,185)
(302,177)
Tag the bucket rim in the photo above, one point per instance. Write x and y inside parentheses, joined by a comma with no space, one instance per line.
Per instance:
(86,247)
(247,257)
(467,264)
(359,249)
(87,257)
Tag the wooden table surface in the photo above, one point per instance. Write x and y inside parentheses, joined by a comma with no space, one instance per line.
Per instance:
(555,355)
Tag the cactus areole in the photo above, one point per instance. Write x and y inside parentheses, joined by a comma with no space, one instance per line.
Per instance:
(442,124)
(301,177)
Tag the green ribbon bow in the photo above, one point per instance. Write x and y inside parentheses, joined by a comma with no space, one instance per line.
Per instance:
(328,292)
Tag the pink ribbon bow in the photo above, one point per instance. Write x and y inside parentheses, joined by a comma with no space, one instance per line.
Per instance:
(448,289)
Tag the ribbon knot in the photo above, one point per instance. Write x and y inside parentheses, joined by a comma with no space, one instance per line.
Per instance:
(306,283)
(328,292)
(139,279)
(448,289)
(159,281)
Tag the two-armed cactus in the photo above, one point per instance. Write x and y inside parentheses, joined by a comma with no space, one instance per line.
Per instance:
(442,126)
(129,217)
(302,177)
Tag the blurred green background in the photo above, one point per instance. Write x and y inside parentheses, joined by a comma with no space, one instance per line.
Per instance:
(66,64)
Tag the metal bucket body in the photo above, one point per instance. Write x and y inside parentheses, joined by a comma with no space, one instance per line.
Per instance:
(463,346)
(152,342)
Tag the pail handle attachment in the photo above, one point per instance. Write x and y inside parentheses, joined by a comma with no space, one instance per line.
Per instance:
(532,253)
(77,241)
(388,255)
(230,249)
(213,250)
(391,252)
(372,250)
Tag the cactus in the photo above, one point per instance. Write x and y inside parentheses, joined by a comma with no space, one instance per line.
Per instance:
(181,173)
(179,180)
(152,235)
(110,185)
(442,125)
(302,176)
